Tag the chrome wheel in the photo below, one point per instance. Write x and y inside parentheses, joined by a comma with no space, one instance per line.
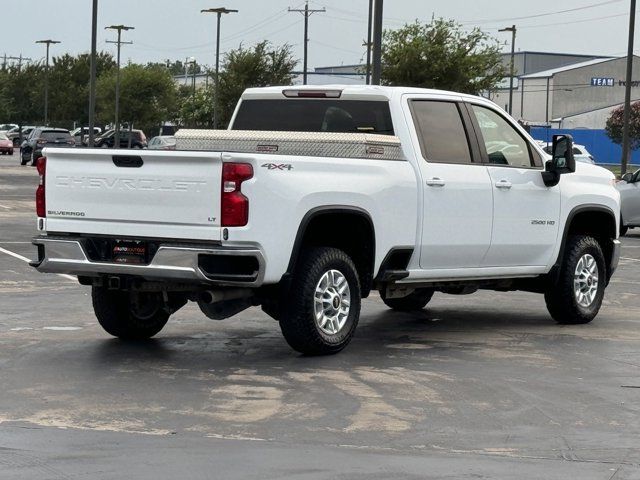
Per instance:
(332,300)
(585,280)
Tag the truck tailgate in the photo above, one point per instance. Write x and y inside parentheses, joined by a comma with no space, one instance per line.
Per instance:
(134,193)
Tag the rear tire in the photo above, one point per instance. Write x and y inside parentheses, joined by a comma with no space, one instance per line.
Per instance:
(128,316)
(323,306)
(577,297)
(415,301)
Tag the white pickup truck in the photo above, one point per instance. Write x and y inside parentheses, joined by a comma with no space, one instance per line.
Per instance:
(315,197)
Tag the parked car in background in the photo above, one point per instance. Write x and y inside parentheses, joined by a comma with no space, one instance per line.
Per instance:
(163,142)
(629,188)
(580,153)
(7,126)
(107,139)
(81,133)
(42,137)
(14,134)
(6,145)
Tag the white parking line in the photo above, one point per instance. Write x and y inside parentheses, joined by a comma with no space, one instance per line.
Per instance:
(630,259)
(25,259)
(4,206)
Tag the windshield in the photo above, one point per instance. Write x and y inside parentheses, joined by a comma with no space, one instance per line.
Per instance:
(3,136)
(313,115)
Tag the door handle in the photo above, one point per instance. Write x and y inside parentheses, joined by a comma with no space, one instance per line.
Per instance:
(435,182)
(505,184)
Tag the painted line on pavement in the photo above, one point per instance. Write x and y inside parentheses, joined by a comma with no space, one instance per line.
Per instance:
(25,259)
(4,206)
(630,259)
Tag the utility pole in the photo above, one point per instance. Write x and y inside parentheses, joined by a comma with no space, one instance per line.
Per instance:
(368,44)
(307,12)
(92,68)
(626,147)
(219,12)
(119,42)
(376,74)
(512,71)
(48,43)
(20,60)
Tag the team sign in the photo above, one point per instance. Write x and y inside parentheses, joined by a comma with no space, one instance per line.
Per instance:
(602,82)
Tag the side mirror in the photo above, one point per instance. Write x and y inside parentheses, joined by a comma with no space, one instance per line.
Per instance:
(562,160)
(627,177)
(562,154)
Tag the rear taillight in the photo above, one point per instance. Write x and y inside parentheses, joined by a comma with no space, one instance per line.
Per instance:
(41,141)
(41,165)
(234,205)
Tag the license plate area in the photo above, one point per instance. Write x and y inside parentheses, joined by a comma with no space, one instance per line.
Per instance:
(130,252)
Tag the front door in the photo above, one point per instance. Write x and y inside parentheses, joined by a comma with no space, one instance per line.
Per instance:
(526,213)
(457,200)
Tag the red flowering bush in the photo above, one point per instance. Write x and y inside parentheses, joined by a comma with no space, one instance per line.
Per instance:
(615,124)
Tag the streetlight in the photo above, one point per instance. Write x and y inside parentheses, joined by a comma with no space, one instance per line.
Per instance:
(92,70)
(48,43)
(219,11)
(119,42)
(511,29)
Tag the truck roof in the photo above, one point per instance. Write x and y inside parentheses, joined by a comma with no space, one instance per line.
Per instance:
(354,92)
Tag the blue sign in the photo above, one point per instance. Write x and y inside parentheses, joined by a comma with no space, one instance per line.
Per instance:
(602,82)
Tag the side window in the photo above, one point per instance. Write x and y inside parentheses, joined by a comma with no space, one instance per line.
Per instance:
(443,138)
(504,145)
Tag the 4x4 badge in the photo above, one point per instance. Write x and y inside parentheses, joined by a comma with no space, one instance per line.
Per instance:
(277,166)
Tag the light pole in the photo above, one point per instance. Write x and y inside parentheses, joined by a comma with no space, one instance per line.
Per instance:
(512,72)
(92,69)
(219,11)
(376,73)
(369,33)
(119,42)
(626,147)
(48,43)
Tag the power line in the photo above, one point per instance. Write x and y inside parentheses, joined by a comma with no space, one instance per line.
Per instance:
(575,21)
(538,15)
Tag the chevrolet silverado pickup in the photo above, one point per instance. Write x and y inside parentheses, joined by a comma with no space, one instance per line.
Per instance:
(313,198)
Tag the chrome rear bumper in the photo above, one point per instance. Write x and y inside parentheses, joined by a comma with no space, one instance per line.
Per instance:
(170,262)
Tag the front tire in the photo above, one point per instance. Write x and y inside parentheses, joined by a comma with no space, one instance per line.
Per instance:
(577,297)
(415,301)
(129,316)
(323,307)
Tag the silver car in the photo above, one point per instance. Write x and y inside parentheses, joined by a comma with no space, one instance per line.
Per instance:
(629,188)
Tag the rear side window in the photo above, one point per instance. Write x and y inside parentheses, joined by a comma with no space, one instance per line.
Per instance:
(442,135)
(315,115)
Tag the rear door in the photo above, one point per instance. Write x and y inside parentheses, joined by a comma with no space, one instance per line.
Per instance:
(630,200)
(457,199)
(526,213)
(147,194)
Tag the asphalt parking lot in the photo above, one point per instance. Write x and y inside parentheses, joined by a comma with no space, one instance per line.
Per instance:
(480,386)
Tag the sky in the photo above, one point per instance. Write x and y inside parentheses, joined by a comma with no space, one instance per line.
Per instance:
(175,29)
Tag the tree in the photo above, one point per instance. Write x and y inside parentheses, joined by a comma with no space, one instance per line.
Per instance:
(196,111)
(441,55)
(260,66)
(69,86)
(147,96)
(615,125)
(21,94)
